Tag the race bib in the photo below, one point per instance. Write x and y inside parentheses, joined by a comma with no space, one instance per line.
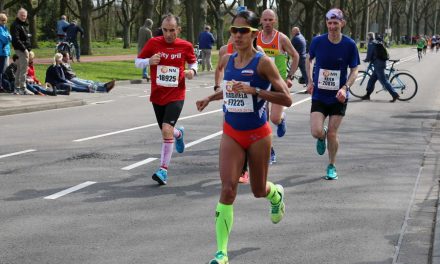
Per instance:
(236,102)
(328,79)
(167,76)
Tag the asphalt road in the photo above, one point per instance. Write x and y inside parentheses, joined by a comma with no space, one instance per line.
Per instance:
(381,210)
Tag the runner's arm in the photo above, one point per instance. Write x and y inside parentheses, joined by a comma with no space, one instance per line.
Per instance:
(288,47)
(279,94)
(309,65)
(219,70)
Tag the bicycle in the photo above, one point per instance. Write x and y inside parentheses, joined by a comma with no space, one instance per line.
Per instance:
(198,54)
(402,82)
(64,46)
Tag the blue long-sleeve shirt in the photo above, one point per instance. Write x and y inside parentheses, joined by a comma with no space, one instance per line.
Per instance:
(206,40)
(5,39)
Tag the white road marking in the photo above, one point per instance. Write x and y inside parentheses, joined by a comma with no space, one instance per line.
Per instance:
(203,139)
(143,162)
(140,163)
(301,101)
(140,127)
(102,102)
(70,190)
(17,153)
(198,141)
(143,96)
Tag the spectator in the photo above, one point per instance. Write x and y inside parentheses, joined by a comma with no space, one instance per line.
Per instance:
(300,44)
(72,31)
(22,45)
(86,85)
(9,75)
(5,50)
(32,83)
(55,76)
(379,69)
(206,40)
(62,23)
(144,35)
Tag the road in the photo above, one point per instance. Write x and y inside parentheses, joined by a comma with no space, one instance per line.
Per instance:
(75,183)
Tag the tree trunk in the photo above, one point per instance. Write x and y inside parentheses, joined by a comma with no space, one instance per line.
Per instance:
(33,30)
(146,11)
(63,7)
(126,35)
(200,17)
(86,24)
(284,16)
(220,27)
(189,21)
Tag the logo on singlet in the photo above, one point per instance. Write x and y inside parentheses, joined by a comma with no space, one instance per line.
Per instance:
(247,72)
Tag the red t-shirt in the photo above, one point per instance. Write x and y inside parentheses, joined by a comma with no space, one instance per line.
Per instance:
(31,73)
(168,84)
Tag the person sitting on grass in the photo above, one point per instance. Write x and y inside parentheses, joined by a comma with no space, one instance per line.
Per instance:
(8,81)
(92,86)
(55,76)
(32,83)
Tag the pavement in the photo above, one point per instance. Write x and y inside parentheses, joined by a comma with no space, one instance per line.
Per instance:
(16,104)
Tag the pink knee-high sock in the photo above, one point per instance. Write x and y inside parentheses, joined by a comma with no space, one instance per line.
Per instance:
(167,151)
(177,133)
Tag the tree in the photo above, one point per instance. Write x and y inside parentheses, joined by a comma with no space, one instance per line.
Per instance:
(32,18)
(6,4)
(86,10)
(220,9)
(126,16)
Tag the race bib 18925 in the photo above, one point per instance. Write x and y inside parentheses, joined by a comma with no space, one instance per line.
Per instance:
(167,76)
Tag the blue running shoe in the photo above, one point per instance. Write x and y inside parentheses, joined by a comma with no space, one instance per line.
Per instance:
(180,145)
(273,157)
(320,143)
(220,258)
(331,172)
(161,176)
(281,129)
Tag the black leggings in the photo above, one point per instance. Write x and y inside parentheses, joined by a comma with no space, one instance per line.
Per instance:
(168,113)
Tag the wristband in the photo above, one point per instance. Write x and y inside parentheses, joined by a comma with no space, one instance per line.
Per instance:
(195,72)
(216,87)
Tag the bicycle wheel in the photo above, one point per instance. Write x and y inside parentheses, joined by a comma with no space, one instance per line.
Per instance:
(359,87)
(405,85)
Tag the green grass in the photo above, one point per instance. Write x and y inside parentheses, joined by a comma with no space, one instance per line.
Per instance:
(105,71)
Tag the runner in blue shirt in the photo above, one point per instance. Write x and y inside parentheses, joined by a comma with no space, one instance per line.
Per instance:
(334,53)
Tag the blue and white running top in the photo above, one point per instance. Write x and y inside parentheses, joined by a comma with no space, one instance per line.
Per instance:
(244,111)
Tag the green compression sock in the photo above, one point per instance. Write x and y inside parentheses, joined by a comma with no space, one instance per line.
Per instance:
(273,196)
(224,218)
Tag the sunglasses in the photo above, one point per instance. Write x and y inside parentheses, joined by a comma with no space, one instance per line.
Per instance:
(242,30)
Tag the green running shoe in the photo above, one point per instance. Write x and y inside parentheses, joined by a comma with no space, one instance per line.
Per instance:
(331,172)
(320,143)
(220,258)
(277,210)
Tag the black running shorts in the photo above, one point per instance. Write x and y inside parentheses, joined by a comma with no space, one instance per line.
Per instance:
(328,109)
(168,113)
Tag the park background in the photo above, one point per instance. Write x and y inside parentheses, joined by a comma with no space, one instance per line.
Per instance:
(111,26)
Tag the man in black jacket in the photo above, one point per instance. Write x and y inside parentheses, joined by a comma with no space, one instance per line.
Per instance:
(22,45)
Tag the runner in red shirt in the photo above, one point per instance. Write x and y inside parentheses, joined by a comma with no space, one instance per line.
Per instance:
(167,56)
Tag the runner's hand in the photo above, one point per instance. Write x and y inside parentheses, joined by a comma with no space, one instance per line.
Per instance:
(341,95)
(189,74)
(155,59)
(310,88)
(289,83)
(201,104)
(239,87)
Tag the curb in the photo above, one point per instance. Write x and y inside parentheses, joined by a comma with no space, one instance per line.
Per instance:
(435,256)
(40,107)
